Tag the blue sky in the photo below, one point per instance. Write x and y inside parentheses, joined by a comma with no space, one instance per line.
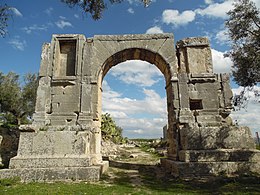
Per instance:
(134,91)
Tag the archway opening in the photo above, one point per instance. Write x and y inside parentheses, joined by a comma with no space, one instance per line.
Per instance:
(134,95)
(162,68)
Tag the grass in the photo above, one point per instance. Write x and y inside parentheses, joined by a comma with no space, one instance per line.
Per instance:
(121,185)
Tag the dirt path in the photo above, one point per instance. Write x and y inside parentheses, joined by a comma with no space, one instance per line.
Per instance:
(134,166)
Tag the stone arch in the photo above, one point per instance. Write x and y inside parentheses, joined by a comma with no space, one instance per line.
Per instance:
(144,55)
(155,49)
(66,127)
(137,54)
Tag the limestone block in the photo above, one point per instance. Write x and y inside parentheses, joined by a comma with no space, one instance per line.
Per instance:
(206,119)
(209,94)
(102,51)
(45,60)
(53,143)
(208,137)
(235,137)
(65,107)
(227,92)
(43,95)
(207,169)
(190,137)
(53,174)
(167,51)
(182,58)
(59,119)
(87,56)
(228,155)
(186,116)
(196,55)
(86,98)
(183,91)
(80,45)
(66,98)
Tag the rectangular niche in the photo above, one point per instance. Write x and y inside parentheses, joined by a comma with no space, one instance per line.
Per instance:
(65,58)
(196,104)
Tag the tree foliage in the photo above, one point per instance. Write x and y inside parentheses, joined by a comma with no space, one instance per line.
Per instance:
(95,7)
(110,130)
(244,30)
(5,14)
(17,102)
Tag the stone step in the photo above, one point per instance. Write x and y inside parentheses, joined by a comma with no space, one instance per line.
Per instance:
(219,155)
(192,170)
(46,162)
(91,173)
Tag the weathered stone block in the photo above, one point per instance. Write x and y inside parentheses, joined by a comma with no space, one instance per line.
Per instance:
(235,137)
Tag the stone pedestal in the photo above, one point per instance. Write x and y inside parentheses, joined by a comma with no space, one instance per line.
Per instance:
(55,155)
(206,169)
(224,150)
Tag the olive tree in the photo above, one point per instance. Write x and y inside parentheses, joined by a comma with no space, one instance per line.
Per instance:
(17,102)
(243,27)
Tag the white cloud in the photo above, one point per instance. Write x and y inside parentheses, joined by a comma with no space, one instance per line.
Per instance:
(208,1)
(137,72)
(35,27)
(218,10)
(138,131)
(48,11)
(222,37)
(176,18)
(62,17)
(18,44)
(16,12)
(154,30)
(130,10)
(249,116)
(257,3)
(109,93)
(145,117)
(76,16)
(62,23)
(143,128)
(152,104)
(221,64)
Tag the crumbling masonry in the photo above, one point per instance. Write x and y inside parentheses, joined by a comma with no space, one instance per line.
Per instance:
(64,141)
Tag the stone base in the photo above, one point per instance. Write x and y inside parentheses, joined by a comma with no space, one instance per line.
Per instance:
(209,169)
(48,161)
(53,174)
(227,155)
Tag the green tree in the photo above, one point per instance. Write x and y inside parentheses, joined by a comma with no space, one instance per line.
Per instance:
(17,102)
(110,130)
(5,14)
(244,31)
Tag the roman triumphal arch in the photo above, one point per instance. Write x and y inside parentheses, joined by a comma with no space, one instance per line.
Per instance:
(65,138)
